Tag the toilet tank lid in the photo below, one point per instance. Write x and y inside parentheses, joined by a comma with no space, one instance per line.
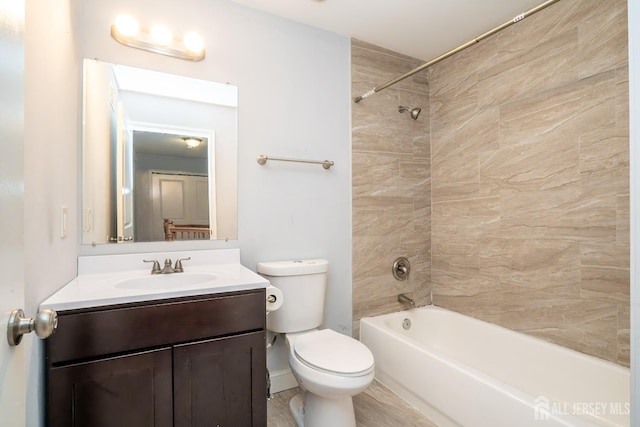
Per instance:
(294,267)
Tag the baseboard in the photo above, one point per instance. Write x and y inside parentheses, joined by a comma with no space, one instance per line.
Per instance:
(282,380)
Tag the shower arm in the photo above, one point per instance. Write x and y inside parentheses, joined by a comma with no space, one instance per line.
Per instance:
(456,50)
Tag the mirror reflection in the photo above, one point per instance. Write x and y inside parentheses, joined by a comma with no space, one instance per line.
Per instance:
(159,157)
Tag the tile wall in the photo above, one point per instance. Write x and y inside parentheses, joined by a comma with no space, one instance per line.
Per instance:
(512,201)
(530,178)
(391,183)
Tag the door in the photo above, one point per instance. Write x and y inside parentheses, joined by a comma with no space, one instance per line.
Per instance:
(12,359)
(124,178)
(184,199)
(127,191)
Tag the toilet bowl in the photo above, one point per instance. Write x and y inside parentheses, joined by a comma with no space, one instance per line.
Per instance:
(330,367)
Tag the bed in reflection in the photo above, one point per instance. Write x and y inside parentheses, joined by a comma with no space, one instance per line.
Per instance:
(185,231)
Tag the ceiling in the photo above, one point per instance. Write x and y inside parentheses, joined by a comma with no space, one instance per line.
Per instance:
(423,29)
(164,144)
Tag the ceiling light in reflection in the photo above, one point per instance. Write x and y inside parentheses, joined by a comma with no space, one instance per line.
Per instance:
(192,142)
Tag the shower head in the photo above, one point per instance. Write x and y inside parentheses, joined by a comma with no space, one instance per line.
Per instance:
(415,112)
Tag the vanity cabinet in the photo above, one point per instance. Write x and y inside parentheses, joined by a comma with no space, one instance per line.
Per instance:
(194,361)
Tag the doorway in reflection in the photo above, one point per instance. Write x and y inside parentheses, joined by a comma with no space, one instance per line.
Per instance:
(171,185)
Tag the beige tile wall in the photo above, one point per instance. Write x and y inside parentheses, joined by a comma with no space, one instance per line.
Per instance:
(512,201)
(530,178)
(391,183)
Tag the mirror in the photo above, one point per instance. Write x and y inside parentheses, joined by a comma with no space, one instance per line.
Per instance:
(159,156)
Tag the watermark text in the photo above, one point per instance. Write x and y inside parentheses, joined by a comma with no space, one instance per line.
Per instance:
(544,408)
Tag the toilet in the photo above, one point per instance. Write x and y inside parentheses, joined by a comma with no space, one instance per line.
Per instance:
(330,367)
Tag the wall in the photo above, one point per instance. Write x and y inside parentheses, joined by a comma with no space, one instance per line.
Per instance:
(530,178)
(391,182)
(51,137)
(293,86)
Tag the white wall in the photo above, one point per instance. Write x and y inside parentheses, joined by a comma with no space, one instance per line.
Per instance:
(294,101)
(51,180)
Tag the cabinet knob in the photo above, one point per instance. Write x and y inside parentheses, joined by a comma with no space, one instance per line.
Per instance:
(44,324)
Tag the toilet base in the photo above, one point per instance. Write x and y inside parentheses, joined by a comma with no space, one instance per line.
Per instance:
(309,410)
(296,406)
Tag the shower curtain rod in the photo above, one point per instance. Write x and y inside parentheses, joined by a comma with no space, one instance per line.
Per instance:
(456,50)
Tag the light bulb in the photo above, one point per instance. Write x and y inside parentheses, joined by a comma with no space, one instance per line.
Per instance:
(193,42)
(127,25)
(161,34)
(192,142)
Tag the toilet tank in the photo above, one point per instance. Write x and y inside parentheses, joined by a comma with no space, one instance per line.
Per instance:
(303,284)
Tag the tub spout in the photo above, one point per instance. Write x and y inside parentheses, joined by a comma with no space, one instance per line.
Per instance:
(405,300)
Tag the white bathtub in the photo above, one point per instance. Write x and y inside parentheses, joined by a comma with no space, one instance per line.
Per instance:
(461,371)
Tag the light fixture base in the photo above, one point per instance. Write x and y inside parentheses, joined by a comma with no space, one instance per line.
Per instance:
(143,40)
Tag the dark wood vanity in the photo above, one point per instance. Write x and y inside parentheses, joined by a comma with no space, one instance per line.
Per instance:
(190,361)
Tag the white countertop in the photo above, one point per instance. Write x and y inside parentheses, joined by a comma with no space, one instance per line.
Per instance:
(100,278)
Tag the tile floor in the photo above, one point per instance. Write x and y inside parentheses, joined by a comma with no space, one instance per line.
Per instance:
(375,407)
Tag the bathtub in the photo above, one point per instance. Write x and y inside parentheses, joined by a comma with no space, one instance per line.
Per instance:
(460,371)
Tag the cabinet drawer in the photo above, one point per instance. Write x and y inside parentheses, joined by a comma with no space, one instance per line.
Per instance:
(113,330)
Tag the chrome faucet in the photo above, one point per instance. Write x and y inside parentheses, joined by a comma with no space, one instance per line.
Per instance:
(168,269)
(405,300)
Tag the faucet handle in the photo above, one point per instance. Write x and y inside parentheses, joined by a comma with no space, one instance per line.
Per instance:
(178,268)
(155,269)
(401,268)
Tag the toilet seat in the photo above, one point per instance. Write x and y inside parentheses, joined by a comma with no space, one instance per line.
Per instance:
(331,352)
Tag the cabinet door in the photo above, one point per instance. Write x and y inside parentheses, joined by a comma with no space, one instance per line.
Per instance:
(131,390)
(221,382)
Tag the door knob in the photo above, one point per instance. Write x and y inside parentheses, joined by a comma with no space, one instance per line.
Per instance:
(45,324)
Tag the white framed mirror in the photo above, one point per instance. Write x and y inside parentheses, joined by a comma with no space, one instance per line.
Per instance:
(140,168)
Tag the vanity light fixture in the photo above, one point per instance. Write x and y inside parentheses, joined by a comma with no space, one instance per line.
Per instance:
(157,39)
(192,142)
(127,25)
(193,42)
(161,35)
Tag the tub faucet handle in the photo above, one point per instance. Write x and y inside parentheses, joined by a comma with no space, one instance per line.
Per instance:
(401,268)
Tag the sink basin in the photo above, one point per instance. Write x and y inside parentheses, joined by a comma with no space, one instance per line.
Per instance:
(166,281)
